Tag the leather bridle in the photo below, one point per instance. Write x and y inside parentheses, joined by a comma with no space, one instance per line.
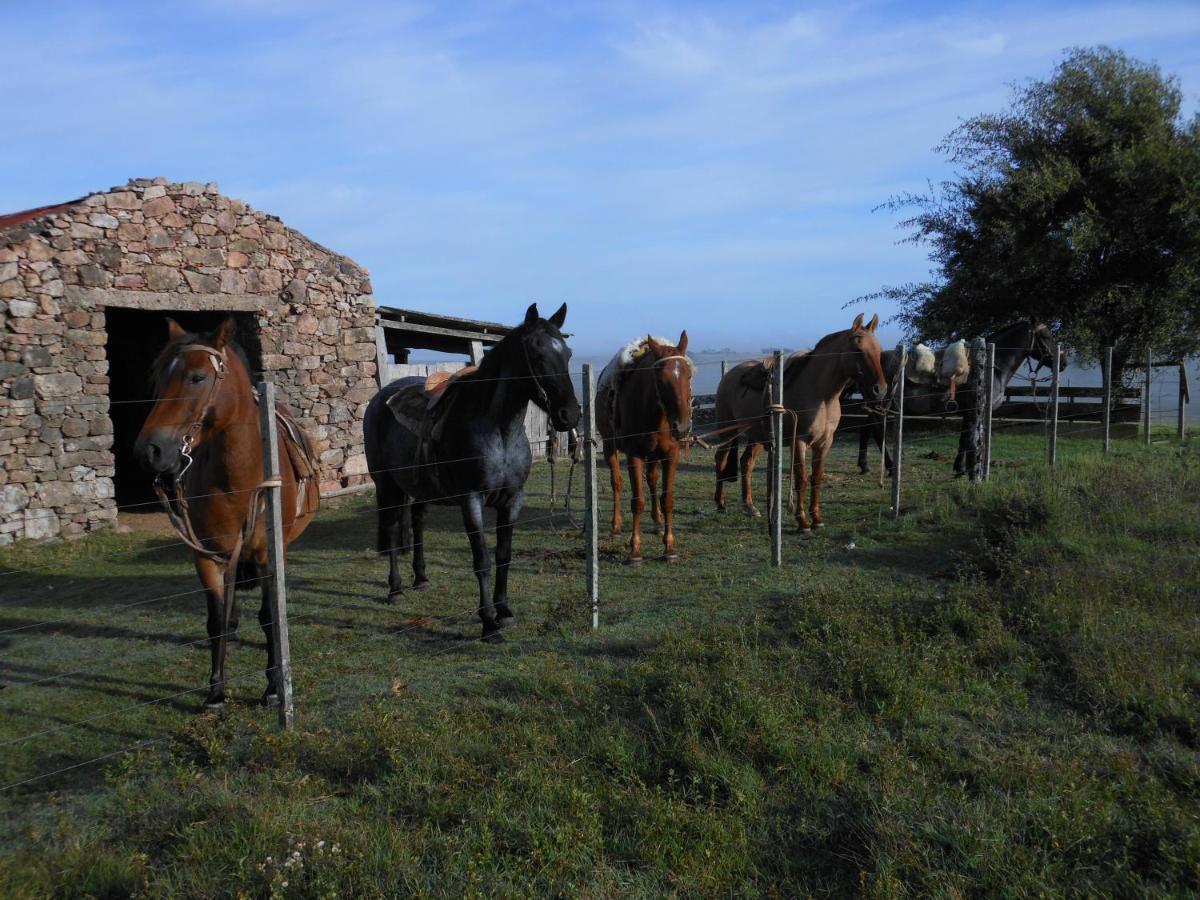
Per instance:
(218,360)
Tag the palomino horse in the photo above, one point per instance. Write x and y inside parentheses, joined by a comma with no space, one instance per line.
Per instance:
(1015,344)
(813,383)
(644,410)
(461,441)
(202,442)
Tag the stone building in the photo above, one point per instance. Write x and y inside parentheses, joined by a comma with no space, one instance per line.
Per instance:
(85,288)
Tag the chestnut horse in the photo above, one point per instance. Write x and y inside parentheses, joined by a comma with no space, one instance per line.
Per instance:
(644,409)
(813,383)
(202,442)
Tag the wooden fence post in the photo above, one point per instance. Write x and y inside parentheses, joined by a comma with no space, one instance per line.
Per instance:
(1146,404)
(591,515)
(724,367)
(990,375)
(898,451)
(273,491)
(1184,399)
(1108,398)
(1054,386)
(776,513)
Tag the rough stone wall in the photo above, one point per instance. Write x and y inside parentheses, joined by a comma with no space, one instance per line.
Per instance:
(159,245)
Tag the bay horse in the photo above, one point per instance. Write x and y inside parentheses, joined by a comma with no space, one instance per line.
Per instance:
(644,410)
(812,389)
(461,441)
(202,442)
(1016,343)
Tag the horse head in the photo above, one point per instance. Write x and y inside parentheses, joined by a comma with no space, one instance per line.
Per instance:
(198,386)
(1042,347)
(672,372)
(548,356)
(863,362)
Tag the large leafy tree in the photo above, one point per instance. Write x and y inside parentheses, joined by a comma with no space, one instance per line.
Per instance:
(1079,205)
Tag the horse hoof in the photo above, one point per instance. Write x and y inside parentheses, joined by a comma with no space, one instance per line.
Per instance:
(421,584)
(271,700)
(493,637)
(635,560)
(802,530)
(671,557)
(506,621)
(818,525)
(394,597)
(752,512)
(213,707)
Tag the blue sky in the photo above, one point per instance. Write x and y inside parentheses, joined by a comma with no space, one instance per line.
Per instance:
(656,165)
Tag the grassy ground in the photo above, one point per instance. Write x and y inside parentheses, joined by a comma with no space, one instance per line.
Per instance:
(997,695)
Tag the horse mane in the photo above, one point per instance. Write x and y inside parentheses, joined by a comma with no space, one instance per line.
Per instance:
(628,355)
(166,356)
(796,363)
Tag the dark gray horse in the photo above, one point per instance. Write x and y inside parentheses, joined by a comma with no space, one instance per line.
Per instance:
(465,445)
(1014,344)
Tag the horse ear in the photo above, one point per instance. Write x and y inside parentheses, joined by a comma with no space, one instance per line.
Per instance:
(173,329)
(857,326)
(683,342)
(655,346)
(531,314)
(559,317)
(873,324)
(224,333)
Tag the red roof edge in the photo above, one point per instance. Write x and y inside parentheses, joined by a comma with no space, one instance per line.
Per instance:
(18,217)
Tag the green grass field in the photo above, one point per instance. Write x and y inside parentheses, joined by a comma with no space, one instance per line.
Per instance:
(997,695)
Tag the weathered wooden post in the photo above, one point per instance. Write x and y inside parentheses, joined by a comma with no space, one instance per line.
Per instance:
(724,367)
(1146,404)
(591,515)
(272,488)
(898,450)
(1056,377)
(990,385)
(1108,398)
(777,461)
(1184,399)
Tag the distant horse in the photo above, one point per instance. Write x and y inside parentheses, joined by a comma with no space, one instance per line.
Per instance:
(644,410)
(813,383)
(202,442)
(460,440)
(1014,345)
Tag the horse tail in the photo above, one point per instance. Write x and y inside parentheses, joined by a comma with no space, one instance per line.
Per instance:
(393,525)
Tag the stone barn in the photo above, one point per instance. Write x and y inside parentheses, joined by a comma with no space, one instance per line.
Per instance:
(85,288)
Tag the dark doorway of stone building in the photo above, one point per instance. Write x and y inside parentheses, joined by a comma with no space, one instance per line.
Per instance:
(135,338)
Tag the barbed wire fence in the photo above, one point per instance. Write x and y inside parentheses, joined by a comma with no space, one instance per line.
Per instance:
(603,574)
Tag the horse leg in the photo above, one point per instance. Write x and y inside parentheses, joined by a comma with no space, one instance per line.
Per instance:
(799,482)
(818,479)
(213,578)
(726,454)
(472,514)
(961,459)
(391,508)
(266,620)
(613,458)
(506,518)
(670,465)
(652,484)
(420,582)
(637,503)
(864,441)
(749,458)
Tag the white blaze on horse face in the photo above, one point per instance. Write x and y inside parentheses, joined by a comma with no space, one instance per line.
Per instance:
(557,345)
